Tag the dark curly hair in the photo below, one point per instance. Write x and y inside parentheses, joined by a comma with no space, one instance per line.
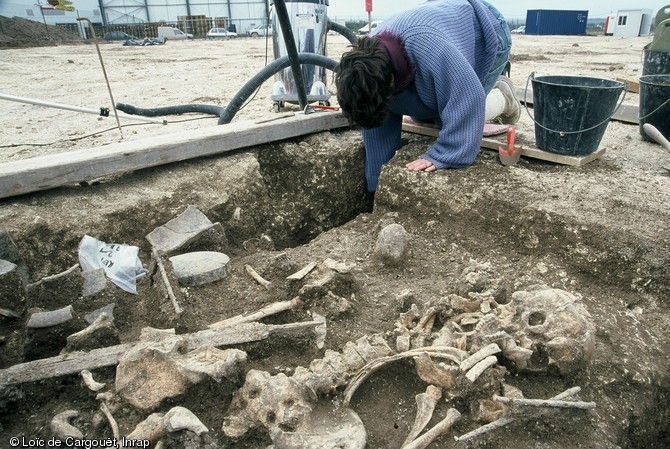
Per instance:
(364,81)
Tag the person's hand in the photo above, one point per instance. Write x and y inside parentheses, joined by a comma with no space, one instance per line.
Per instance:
(421,165)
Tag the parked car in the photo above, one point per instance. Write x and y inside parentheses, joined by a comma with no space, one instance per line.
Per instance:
(520,30)
(369,28)
(260,30)
(173,33)
(117,36)
(215,33)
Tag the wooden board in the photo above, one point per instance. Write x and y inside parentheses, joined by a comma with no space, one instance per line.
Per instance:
(627,113)
(632,85)
(74,362)
(46,172)
(535,153)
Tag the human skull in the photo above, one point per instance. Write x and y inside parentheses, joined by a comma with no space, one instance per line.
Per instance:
(551,323)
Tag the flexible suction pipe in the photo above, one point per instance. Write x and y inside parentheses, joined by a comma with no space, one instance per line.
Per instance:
(226,113)
(278,64)
(344,31)
(171,110)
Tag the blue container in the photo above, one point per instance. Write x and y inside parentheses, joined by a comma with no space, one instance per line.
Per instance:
(551,21)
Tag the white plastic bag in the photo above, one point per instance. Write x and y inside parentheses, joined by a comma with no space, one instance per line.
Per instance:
(120,262)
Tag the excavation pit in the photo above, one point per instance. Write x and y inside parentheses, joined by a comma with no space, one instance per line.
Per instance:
(475,237)
(284,205)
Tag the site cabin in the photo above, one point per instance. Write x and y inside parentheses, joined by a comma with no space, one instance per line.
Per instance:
(633,22)
(169,33)
(610,24)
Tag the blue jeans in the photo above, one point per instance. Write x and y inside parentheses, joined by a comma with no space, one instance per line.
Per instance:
(504,47)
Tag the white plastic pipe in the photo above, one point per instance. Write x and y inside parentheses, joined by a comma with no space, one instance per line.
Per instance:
(68,107)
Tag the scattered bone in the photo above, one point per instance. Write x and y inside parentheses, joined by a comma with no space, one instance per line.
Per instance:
(61,427)
(427,320)
(441,428)
(75,362)
(152,429)
(180,418)
(100,333)
(320,331)
(490,410)
(9,313)
(150,374)
(158,425)
(302,273)
(425,406)
(257,277)
(166,281)
(106,396)
(265,312)
(479,356)
(50,318)
(326,427)
(477,370)
(267,401)
(112,422)
(441,375)
(402,342)
(545,403)
(379,363)
(507,419)
(340,267)
(90,383)
(56,289)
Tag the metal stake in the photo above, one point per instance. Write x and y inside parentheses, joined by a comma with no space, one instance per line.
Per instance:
(109,88)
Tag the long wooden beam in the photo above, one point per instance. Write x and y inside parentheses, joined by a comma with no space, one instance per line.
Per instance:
(535,153)
(97,358)
(46,172)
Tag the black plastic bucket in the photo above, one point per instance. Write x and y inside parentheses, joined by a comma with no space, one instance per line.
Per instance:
(655,62)
(572,112)
(655,103)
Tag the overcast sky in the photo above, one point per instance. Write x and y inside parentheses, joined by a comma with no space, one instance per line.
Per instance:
(510,8)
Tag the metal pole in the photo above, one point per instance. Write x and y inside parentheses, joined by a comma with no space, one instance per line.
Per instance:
(289,40)
(44,19)
(102,112)
(109,88)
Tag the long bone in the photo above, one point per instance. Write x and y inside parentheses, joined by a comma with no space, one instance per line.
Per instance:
(425,406)
(508,419)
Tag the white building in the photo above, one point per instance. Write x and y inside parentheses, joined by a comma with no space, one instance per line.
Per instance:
(243,13)
(633,22)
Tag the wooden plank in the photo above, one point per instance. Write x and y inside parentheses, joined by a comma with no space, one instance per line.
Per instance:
(46,172)
(535,153)
(631,84)
(76,361)
(627,112)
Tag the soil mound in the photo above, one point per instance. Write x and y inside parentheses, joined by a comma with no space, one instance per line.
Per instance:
(20,33)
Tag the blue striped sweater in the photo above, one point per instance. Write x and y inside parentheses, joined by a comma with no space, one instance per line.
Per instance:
(452,45)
